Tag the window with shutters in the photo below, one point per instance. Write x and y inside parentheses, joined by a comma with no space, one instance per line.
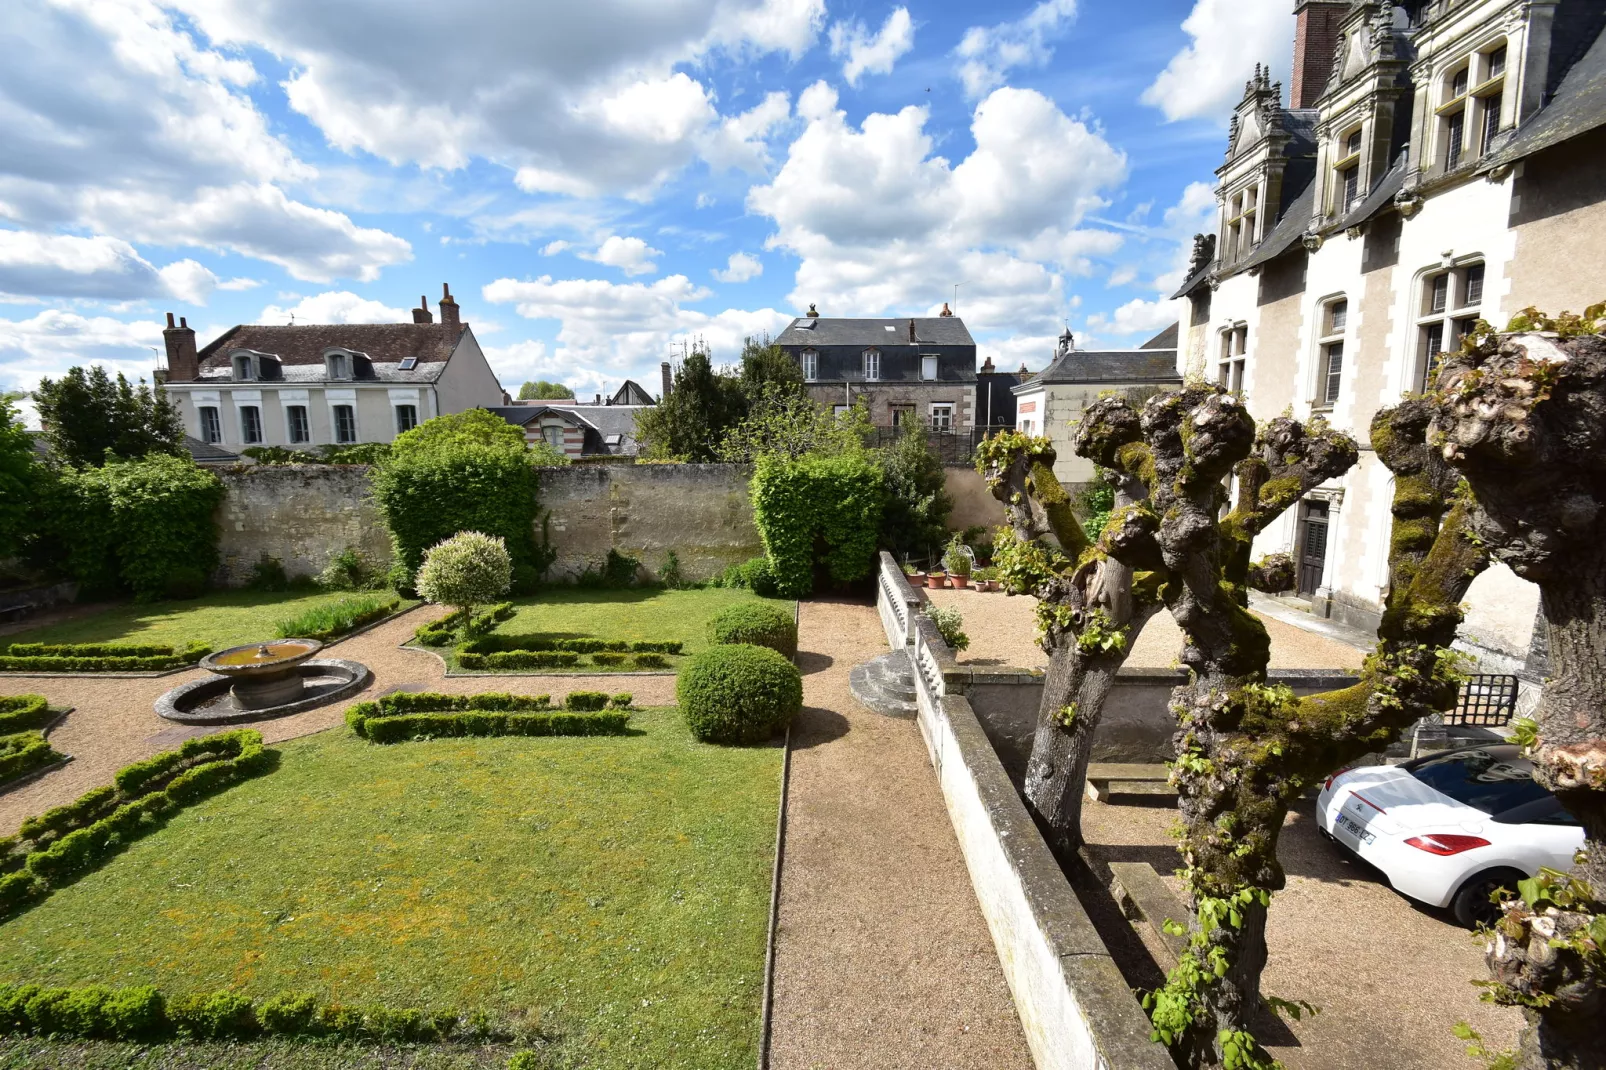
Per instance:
(345,417)
(211,426)
(296,423)
(250,425)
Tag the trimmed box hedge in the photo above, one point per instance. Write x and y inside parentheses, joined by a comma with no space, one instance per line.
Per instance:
(144,1014)
(519,659)
(54,848)
(99,657)
(400,717)
(758,623)
(443,632)
(739,693)
(19,713)
(500,642)
(23,753)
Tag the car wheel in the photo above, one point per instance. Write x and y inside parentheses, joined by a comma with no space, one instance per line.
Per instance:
(1472,906)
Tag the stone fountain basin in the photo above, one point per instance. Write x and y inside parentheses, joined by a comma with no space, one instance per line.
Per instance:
(211,700)
(258,660)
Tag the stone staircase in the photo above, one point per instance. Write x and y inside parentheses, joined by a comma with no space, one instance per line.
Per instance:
(886,684)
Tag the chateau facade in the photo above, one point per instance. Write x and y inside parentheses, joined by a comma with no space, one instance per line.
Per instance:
(1437,163)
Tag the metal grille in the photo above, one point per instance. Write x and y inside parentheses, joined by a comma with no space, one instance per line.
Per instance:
(1487,701)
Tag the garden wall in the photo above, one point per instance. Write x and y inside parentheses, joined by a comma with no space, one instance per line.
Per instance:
(301,514)
(1075,1008)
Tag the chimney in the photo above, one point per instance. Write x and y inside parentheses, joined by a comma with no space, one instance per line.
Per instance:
(813,315)
(664,368)
(1315,40)
(987,366)
(912,338)
(183,366)
(945,311)
(448,308)
(421,313)
(598,400)
(1023,371)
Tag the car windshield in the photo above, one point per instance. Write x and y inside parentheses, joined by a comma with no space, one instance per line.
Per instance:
(1485,779)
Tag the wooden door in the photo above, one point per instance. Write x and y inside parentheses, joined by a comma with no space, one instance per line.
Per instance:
(1312,546)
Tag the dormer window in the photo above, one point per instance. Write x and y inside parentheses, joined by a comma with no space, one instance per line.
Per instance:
(1348,172)
(244,367)
(337,365)
(1241,223)
(811,365)
(872,365)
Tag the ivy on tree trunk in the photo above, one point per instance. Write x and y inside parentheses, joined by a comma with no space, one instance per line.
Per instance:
(1247,750)
(1090,611)
(1522,416)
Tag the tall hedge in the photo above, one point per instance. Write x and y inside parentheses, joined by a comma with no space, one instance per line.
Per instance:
(144,525)
(470,471)
(823,511)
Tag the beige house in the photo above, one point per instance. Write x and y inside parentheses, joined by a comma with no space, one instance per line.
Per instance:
(308,385)
(1051,402)
(1437,163)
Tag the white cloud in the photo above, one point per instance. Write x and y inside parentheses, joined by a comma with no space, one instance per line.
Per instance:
(46,345)
(189,280)
(34,265)
(552,248)
(740,140)
(624,329)
(630,255)
(866,53)
(335,306)
(739,268)
(1136,317)
(581,100)
(1123,276)
(988,53)
(163,145)
(239,284)
(1205,79)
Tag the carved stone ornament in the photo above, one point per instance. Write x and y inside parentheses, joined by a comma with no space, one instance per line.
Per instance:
(1311,240)
(1408,203)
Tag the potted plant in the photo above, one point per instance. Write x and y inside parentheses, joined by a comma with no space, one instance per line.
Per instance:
(936,578)
(984,579)
(958,563)
(915,576)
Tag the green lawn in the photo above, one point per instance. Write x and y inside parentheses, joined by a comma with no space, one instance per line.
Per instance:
(613,891)
(638,614)
(220,619)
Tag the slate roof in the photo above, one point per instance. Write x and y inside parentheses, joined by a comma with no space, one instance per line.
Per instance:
(824,331)
(631,393)
(1381,197)
(601,421)
(300,348)
(207,453)
(1578,107)
(1285,235)
(1166,339)
(1108,366)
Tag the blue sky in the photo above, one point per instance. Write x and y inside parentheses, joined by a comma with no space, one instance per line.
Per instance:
(601,182)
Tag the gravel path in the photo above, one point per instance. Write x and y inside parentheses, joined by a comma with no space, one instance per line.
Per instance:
(1389,976)
(883,958)
(1002,630)
(113,722)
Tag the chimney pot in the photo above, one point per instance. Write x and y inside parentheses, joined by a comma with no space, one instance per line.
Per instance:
(183,363)
(421,314)
(1316,35)
(945,310)
(449,312)
(184,323)
(170,321)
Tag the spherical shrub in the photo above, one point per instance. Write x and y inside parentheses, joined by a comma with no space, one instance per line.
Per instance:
(738,693)
(759,623)
(469,569)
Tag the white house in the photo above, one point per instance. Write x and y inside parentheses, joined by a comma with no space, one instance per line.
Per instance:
(307,385)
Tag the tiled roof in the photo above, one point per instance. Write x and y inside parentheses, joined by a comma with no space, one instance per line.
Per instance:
(603,421)
(1578,107)
(1109,366)
(300,348)
(933,330)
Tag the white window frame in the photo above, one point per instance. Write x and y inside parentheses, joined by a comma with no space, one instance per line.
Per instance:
(872,365)
(245,424)
(245,367)
(929,363)
(941,416)
(210,435)
(1332,333)
(1462,309)
(1233,359)
(397,409)
(340,365)
(811,365)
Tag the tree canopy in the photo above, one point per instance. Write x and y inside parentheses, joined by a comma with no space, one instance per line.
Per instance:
(20,473)
(541,390)
(85,414)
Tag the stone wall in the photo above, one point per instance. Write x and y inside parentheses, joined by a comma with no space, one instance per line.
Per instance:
(700,511)
(301,514)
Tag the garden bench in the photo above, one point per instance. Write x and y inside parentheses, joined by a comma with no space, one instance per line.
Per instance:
(1145,897)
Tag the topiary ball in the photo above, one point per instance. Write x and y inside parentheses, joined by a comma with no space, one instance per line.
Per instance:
(759,623)
(738,693)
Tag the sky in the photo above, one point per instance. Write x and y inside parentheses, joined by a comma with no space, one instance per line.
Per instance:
(602,183)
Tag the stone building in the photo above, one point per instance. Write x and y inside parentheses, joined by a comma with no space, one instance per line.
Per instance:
(605,427)
(1051,402)
(920,369)
(1438,162)
(306,385)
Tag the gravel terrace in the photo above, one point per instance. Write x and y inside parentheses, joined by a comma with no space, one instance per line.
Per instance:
(113,722)
(882,956)
(1002,630)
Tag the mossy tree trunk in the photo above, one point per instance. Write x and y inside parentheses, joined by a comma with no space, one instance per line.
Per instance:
(1247,750)
(1090,612)
(1522,416)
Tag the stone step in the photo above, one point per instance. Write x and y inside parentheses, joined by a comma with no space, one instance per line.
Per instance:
(876,683)
(1105,779)
(1145,897)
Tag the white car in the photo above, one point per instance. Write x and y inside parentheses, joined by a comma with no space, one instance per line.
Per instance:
(1449,829)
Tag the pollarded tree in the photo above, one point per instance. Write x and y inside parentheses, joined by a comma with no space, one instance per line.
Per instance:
(1522,416)
(1247,749)
(1091,608)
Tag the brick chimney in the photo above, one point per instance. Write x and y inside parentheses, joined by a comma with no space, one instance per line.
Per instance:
(912,338)
(987,366)
(945,311)
(183,366)
(421,313)
(1315,40)
(663,368)
(449,317)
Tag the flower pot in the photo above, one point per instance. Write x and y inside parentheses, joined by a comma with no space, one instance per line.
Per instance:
(960,582)
(936,579)
(992,585)
(917,579)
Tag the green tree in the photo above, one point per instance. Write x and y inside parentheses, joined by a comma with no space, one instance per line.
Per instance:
(702,406)
(915,516)
(767,369)
(541,390)
(791,425)
(20,476)
(467,570)
(85,414)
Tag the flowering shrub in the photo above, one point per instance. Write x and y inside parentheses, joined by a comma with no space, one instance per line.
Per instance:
(467,570)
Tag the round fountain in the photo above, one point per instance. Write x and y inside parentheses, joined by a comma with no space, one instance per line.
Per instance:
(263,680)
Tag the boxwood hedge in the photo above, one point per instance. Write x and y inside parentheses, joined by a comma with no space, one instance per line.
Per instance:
(98,657)
(759,623)
(738,693)
(22,753)
(18,713)
(400,717)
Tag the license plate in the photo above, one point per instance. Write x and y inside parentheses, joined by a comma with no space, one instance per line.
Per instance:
(1355,828)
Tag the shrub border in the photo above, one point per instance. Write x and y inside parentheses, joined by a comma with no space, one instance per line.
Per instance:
(32,757)
(101,666)
(403,716)
(363,622)
(68,841)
